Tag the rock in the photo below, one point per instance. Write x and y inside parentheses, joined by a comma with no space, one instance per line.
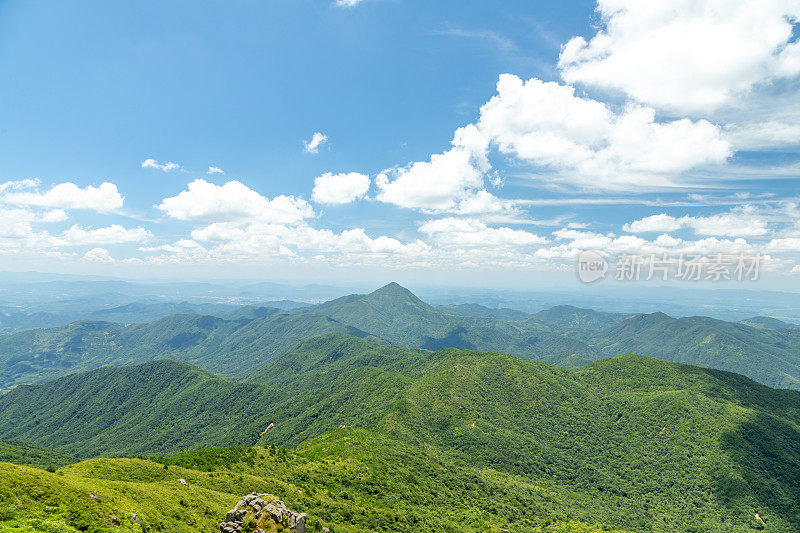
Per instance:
(93,496)
(274,513)
(230,527)
(257,504)
(135,518)
(326,530)
(235,515)
(297,521)
(182,481)
(254,506)
(114,520)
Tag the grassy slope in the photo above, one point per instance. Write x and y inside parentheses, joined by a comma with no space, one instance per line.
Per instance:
(341,492)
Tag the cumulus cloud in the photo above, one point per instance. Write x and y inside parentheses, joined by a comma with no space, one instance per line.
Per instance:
(233,201)
(341,188)
(587,143)
(471,232)
(114,234)
(686,55)
(743,222)
(317,140)
(440,183)
(166,167)
(102,199)
(565,138)
(98,255)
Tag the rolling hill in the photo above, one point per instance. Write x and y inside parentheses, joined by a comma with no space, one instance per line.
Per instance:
(769,356)
(632,441)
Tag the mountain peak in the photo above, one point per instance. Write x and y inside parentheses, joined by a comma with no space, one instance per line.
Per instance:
(393,290)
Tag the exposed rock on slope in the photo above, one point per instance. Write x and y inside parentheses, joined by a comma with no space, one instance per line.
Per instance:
(261,513)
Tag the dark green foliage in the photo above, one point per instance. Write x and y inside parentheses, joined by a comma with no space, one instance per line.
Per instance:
(26,453)
(210,459)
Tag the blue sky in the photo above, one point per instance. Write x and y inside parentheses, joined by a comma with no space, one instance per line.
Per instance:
(667,128)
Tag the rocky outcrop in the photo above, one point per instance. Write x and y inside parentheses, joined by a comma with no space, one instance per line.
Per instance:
(259,512)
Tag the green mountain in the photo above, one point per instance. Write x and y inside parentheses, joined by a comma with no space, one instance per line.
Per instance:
(394,314)
(769,356)
(569,317)
(230,347)
(249,338)
(635,442)
(768,322)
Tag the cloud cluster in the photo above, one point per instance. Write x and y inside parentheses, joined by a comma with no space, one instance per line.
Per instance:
(340,188)
(744,222)
(103,199)
(686,55)
(588,144)
(233,201)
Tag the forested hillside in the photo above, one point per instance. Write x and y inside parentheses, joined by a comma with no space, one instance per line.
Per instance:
(632,441)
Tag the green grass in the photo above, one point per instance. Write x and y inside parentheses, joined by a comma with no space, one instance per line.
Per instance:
(339,493)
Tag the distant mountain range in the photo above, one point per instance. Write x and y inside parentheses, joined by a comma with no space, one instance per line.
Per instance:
(243,339)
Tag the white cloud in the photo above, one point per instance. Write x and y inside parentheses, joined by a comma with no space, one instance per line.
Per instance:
(340,188)
(347,3)
(233,201)
(742,222)
(439,184)
(103,199)
(565,138)
(318,139)
(215,170)
(686,55)
(16,185)
(661,222)
(470,233)
(98,255)
(761,135)
(166,167)
(787,244)
(586,143)
(114,234)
